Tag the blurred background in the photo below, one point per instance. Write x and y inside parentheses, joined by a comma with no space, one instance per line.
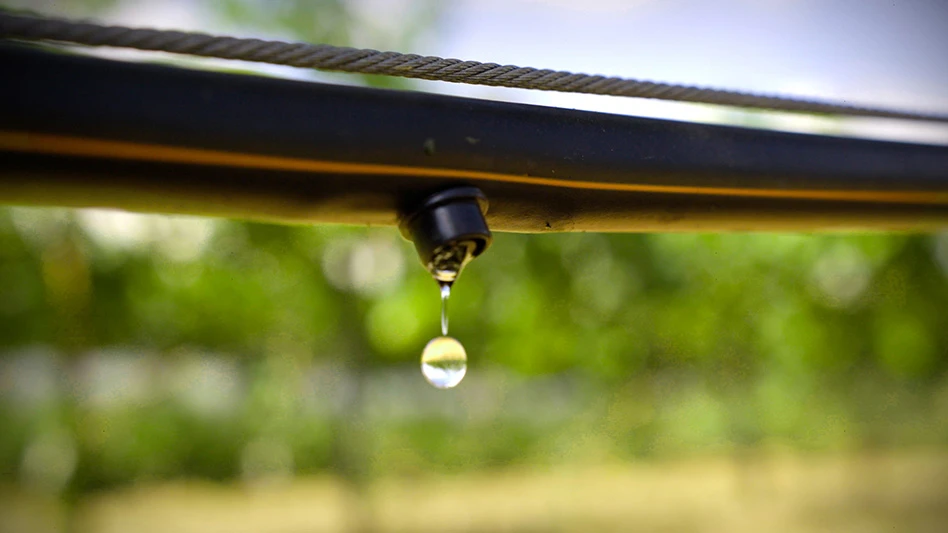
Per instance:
(194,374)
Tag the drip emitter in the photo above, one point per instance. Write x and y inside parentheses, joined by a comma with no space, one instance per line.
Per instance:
(449,230)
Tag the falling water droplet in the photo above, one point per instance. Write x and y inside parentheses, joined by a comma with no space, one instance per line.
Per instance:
(444,362)
(445,294)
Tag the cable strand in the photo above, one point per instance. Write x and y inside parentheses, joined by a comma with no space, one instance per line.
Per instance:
(365,61)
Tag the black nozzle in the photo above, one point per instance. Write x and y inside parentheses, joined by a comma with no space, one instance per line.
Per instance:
(448,229)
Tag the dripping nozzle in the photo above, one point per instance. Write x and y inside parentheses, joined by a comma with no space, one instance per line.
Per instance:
(449,230)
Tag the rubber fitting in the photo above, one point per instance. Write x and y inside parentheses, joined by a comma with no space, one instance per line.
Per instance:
(448,229)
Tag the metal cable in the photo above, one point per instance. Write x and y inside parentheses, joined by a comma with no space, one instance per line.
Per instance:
(364,61)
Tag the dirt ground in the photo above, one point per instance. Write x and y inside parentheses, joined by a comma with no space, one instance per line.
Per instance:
(774,493)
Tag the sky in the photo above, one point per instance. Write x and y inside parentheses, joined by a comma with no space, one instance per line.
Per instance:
(866,51)
(870,52)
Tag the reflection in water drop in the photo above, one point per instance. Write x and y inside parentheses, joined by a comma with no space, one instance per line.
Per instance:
(444,362)
(448,261)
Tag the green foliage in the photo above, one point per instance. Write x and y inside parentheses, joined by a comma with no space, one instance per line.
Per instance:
(146,347)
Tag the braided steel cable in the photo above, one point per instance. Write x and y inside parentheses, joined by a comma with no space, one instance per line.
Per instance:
(365,61)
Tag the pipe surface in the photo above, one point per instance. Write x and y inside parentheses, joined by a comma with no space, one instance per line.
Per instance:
(88,132)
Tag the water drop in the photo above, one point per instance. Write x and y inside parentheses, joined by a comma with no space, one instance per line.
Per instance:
(445,294)
(444,362)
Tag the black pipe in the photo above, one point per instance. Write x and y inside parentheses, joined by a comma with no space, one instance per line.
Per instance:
(82,131)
